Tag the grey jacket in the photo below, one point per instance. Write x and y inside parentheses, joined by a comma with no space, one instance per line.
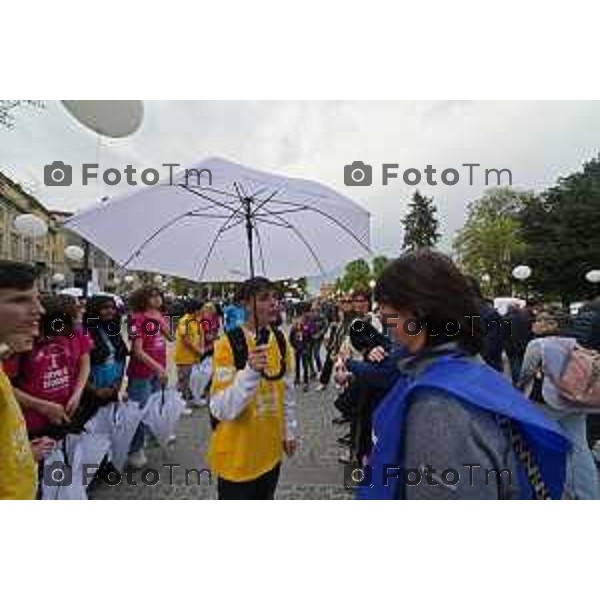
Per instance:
(461,452)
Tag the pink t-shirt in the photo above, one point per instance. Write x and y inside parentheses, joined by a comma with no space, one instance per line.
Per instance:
(151,328)
(50,372)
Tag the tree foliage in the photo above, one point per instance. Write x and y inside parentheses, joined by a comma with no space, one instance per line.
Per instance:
(562,232)
(491,243)
(420,223)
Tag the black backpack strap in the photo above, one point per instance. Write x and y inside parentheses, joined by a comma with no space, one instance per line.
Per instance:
(239,347)
(282,345)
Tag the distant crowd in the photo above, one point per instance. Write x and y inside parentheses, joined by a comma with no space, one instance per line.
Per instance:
(426,376)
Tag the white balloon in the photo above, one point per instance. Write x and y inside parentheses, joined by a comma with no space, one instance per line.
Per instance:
(593,276)
(128,279)
(117,280)
(112,118)
(74,252)
(522,272)
(158,279)
(58,278)
(31,225)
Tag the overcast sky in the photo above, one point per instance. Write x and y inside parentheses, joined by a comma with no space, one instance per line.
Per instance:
(537,141)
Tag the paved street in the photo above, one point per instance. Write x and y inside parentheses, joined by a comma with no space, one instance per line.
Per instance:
(314,473)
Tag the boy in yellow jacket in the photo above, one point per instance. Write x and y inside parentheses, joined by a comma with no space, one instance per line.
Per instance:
(253,404)
(20,310)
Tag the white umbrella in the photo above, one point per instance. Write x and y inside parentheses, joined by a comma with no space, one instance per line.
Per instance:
(226,221)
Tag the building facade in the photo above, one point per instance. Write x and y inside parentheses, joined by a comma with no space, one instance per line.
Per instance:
(46,252)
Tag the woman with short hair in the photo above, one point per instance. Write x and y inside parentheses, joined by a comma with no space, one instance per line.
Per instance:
(452,427)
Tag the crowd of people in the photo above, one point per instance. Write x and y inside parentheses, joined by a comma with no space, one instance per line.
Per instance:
(435,390)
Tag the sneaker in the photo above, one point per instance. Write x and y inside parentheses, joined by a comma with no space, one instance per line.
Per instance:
(186,411)
(172,439)
(305,387)
(320,387)
(138,459)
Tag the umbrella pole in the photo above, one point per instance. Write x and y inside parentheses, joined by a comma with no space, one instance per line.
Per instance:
(249,236)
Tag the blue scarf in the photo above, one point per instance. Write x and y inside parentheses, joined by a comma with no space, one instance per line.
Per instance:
(474,385)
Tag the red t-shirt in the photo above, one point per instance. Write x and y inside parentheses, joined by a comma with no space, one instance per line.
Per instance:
(151,328)
(50,372)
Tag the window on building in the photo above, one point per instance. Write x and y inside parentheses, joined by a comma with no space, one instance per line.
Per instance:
(15,246)
(28,245)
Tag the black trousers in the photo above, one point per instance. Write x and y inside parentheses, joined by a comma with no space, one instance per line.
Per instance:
(302,366)
(262,488)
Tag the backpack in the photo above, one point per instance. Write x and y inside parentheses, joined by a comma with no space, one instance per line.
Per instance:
(580,378)
(239,348)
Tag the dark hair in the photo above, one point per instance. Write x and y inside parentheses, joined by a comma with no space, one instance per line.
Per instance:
(193,306)
(91,320)
(139,299)
(430,285)
(360,294)
(475,286)
(17,276)
(253,287)
(56,321)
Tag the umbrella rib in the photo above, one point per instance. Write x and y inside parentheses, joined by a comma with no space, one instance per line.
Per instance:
(289,225)
(327,216)
(164,227)
(263,202)
(216,239)
(287,212)
(215,202)
(260,249)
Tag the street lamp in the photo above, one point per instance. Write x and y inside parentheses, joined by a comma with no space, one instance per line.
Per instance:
(522,273)
(593,277)
(75,253)
(31,225)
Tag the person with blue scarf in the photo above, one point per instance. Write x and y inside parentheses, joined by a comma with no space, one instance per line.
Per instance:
(452,427)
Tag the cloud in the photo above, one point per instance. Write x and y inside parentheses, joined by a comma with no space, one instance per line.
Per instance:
(538,141)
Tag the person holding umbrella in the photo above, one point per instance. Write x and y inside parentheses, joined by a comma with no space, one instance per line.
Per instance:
(252,400)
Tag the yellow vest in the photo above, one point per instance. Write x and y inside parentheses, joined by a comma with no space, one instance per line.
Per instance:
(252,444)
(18,469)
(191,328)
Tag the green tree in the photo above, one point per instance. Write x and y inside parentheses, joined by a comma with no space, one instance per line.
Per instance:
(562,230)
(357,275)
(491,242)
(379,263)
(420,223)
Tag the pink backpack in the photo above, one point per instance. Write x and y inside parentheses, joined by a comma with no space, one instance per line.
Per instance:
(580,379)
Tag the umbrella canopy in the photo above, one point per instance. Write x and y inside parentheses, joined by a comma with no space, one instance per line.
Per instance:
(198,227)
